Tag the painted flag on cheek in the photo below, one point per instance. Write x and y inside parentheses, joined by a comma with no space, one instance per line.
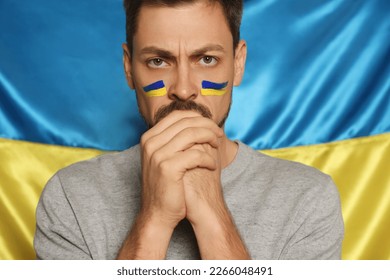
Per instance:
(155,89)
(213,89)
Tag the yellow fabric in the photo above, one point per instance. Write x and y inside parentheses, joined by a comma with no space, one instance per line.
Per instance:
(25,169)
(361,170)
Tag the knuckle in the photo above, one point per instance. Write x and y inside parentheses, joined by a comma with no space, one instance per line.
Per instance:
(157,159)
(198,155)
(148,148)
(144,139)
(164,166)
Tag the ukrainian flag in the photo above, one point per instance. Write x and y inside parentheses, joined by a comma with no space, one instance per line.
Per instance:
(316,90)
(213,89)
(155,89)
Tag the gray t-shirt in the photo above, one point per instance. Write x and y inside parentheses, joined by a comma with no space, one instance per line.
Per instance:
(282,209)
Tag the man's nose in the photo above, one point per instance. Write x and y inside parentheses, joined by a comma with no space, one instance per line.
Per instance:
(183,87)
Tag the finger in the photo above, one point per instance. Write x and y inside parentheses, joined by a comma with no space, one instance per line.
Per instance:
(207,148)
(156,142)
(187,160)
(188,122)
(150,146)
(168,121)
(189,137)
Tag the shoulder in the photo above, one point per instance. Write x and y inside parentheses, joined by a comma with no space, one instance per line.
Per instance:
(294,183)
(304,200)
(97,172)
(106,163)
(284,172)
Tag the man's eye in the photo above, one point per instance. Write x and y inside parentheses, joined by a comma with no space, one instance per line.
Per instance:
(208,60)
(157,63)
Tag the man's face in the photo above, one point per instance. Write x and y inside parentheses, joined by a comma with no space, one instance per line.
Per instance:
(184,46)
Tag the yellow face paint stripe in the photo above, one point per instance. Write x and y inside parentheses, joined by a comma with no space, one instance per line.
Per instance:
(212,92)
(157,92)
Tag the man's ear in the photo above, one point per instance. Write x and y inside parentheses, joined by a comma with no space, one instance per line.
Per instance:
(127,65)
(239,62)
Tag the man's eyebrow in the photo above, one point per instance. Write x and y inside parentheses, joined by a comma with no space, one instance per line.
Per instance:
(208,48)
(165,53)
(157,51)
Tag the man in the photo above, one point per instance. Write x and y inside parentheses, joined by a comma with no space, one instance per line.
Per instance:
(187,191)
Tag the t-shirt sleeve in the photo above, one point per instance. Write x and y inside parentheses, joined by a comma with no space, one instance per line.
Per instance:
(318,227)
(57,234)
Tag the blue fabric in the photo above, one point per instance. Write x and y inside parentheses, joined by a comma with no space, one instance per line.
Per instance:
(317,71)
(61,74)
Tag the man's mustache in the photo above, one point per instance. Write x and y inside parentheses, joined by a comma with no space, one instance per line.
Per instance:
(189,105)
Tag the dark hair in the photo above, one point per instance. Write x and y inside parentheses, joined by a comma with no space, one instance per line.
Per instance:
(232,10)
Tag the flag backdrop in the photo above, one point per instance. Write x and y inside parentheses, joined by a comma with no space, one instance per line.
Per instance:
(316,90)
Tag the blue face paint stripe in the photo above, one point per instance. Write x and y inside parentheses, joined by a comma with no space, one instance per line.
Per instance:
(211,85)
(154,86)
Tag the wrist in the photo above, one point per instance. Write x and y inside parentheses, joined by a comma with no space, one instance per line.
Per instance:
(158,220)
(217,236)
(211,219)
(148,239)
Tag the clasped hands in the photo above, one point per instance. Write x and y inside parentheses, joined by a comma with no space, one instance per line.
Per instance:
(181,173)
(181,170)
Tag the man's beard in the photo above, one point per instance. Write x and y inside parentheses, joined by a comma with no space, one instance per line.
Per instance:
(179,105)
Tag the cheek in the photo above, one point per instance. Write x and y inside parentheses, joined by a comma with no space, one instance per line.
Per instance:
(219,105)
(144,104)
(150,105)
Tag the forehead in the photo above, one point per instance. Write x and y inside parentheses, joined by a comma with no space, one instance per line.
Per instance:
(190,25)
